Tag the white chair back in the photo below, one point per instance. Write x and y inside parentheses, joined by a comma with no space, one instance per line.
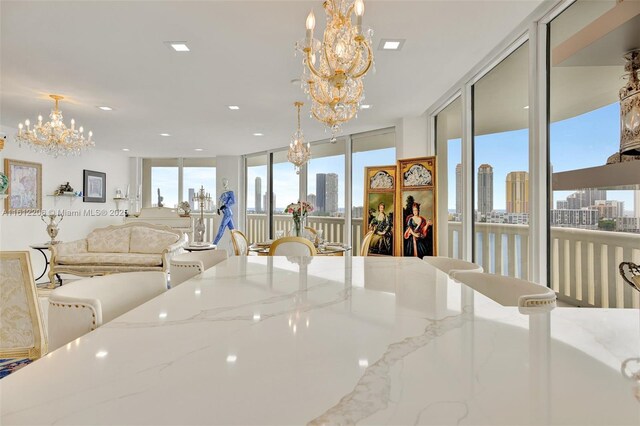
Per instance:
(366,242)
(188,265)
(240,243)
(509,291)
(84,305)
(21,327)
(292,246)
(450,265)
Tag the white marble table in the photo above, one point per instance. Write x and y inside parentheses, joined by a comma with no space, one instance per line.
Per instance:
(264,340)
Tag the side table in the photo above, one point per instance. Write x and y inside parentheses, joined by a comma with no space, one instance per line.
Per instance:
(44,248)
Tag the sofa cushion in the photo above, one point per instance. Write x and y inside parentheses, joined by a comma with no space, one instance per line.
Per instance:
(136,259)
(115,240)
(150,240)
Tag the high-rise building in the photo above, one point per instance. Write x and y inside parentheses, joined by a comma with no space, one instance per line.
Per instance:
(562,204)
(609,209)
(192,193)
(517,192)
(321,192)
(459,188)
(264,202)
(485,190)
(586,198)
(258,195)
(327,192)
(311,199)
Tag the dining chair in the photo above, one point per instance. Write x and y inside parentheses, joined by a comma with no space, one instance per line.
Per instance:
(630,273)
(240,243)
(292,246)
(508,291)
(188,265)
(81,306)
(366,242)
(22,332)
(450,265)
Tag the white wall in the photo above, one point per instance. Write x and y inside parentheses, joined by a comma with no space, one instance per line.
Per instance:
(18,232)
(412,137)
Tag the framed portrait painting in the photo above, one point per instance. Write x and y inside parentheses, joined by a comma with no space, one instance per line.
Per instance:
(417,207)
(379,196)
(25,185)
(94,189)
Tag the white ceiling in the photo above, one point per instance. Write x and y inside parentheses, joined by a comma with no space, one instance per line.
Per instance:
(112,53)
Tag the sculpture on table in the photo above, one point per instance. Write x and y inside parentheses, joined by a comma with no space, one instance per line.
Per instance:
(199,228)
(227,199)
(52,226)
(160,198)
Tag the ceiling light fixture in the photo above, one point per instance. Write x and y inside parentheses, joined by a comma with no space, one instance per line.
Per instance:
(299,152)
(258,134)
(165,134)
(53,137)
(526,107)
(198,149)
(179,46)
(126,149)
(391,44)
(365,106)
(334,67)
(105,108)
(234,107)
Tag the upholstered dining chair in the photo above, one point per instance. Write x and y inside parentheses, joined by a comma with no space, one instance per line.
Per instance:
(508,291)
(366,242)
(82,306)
(292,246)
(240,243)
(450,265)
(187,265)
(22,335)
(630,273)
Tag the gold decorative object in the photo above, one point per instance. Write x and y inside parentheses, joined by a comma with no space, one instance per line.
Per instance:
(52,226)
(201,198)
(334,67)
(299,152)
(629,112)
(53,137)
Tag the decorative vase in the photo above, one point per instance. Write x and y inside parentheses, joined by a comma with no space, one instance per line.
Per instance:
(299,223)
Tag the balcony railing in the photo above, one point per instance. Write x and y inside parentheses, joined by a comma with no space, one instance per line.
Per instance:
(584,263)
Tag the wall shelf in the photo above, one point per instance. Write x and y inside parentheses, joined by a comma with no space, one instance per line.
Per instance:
(71,197)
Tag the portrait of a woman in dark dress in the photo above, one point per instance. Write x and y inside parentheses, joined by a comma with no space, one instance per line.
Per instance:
(418,234)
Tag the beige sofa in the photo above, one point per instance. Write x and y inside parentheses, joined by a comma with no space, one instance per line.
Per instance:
(118,248)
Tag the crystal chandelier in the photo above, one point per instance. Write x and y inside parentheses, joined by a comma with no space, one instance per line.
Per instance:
(334,67)
(299,152)
(53,137)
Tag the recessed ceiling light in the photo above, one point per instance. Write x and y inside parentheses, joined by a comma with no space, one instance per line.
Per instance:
(391,44)
(101,354)
(165,134)
(126,149)
(105,108)
(198,149)
(365,106)
(527,107)
(179,46)
(258,134)
(232,358)
(234,107)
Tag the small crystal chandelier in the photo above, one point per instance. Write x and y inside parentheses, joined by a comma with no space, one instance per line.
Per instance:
(334,67)
(53,137)
(299,152)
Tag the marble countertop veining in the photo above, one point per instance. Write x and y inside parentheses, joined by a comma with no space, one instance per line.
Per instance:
(335,340)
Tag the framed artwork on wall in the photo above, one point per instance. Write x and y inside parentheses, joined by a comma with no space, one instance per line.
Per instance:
(379,196)
(25,185)
(416,207)
(94,188)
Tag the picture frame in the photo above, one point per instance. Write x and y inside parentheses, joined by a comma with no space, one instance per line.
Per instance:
(379,209)
(94,189)
(25,185)
(416,207)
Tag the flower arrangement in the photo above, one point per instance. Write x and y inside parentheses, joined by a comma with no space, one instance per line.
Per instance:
(299,211)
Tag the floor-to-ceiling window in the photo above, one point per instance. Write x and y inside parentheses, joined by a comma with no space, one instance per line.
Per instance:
(325,189)
(501,166)
(286,190)
(449,166)
(368,149)
(160,177)
(257,228)
(593,226)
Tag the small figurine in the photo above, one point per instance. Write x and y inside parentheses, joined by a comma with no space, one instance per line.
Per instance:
(160,198)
